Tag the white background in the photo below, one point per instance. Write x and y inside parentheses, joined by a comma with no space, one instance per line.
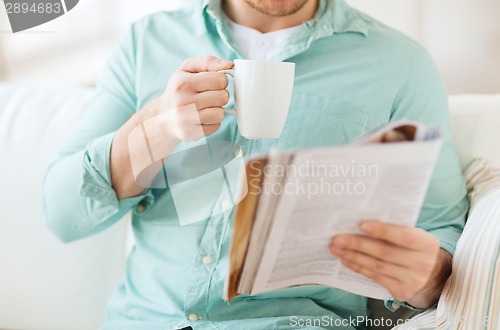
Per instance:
(462,35)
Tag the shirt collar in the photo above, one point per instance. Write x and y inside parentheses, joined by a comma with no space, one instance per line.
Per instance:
(333,16)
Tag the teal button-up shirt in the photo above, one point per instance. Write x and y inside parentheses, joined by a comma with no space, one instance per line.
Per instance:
(352,74)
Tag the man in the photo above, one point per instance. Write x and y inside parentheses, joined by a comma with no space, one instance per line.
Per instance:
(352,74)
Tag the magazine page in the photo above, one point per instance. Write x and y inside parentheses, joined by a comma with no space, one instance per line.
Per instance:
(268,197)
(328,192)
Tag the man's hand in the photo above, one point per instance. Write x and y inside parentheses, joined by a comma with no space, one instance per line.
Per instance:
(407,261)
(198,83)
(189,108)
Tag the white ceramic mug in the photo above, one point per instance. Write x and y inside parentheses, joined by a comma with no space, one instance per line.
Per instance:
(262,94)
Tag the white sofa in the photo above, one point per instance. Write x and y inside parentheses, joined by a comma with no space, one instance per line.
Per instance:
(45,284)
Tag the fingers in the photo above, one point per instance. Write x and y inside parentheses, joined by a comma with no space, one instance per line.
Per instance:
(403,282)
(211,99)
(205,64)
(373,247)
(195,132)
(211,116)
(206,81)
(370,273)
(394,286)
(210,129)
(403,269)
(372,264)
(408,237)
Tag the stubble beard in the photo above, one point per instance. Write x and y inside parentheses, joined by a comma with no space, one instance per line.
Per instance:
(277,8)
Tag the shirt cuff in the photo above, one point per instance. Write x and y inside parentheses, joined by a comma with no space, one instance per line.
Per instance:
(393,304)
(100,198)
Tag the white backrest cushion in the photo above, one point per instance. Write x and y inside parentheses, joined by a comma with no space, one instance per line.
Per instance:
(475,122)
(45,284)
(472,293)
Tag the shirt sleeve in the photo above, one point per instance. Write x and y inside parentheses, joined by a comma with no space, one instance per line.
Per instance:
(423,97)
(78,198)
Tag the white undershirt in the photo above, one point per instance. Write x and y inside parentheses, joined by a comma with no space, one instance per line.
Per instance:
(256,45)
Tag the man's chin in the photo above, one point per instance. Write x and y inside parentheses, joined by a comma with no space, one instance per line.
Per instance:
(277,8)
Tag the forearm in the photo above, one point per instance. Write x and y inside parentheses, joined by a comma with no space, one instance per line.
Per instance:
(69,214)
(429,295)
(127,149)
(79,199)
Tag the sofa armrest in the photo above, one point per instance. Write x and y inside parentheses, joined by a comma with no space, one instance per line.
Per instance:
(470,298)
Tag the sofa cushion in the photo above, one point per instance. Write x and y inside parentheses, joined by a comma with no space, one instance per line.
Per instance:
(471,294)
(470,298)
(45,284)
(475,123)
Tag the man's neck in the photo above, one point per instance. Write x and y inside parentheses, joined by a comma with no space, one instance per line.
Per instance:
(242,13)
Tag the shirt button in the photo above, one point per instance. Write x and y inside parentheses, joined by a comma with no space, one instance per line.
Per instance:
(395,305)
(225,204)
(238,153)
(140,208)
(260,43)
(193,317)
(206,260)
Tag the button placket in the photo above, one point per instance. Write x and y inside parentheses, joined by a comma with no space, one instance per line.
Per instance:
(259,43)
(198,284)
(238,153)
(223,203)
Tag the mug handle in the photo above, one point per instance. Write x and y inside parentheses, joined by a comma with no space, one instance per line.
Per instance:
(231,73)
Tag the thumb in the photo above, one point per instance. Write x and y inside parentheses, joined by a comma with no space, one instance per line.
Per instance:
(205,64)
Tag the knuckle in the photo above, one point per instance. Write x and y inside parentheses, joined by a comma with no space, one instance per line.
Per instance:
(181,85)
(347,263)
(211,58)
(176,81)
(373,277)
(426,265)
(351,256)
(379,266)
(380,231)
(219,114)
(209,61)
(352,243)
(386,252)
(221,81)
(409,237)
(418,281)
(186,62)
(224,96)
(354,267)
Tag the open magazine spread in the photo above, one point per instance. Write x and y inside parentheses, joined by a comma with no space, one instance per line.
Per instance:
(297,201)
